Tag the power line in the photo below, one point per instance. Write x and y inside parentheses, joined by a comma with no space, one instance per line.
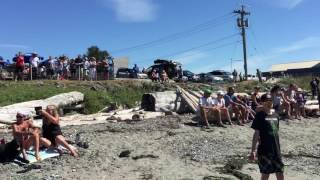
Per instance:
(255,39)
(196,47)
(210,49)
(195,29)
(203,45)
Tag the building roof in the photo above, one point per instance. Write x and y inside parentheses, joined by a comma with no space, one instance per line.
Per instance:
(294,65)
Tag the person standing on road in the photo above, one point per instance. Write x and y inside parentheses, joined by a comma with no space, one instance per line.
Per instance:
(79,64)
(268,154)
(92,69)
(19,66)
(314,84)
(106,71)
(34,61)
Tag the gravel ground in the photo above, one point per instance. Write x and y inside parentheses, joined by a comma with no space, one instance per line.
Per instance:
(171,147)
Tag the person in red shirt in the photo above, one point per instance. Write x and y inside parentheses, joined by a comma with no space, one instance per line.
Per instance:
(19,66)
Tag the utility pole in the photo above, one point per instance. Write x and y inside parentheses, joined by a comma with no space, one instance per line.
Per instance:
(242,23)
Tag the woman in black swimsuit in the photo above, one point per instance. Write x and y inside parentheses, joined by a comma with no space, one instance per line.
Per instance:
(51,131)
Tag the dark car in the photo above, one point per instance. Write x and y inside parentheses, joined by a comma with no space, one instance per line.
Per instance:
(126,73)
(169,66)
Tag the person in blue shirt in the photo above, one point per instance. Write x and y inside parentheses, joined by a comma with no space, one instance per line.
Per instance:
(235,106)
(136,68)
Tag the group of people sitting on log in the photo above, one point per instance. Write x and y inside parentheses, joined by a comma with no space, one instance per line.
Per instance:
(26,134)
(288,102)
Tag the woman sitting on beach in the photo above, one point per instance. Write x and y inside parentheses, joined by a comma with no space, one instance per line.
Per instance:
(51,131)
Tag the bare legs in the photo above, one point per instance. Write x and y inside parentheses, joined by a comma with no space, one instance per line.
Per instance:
(225,113)
(59,140)
(34,140)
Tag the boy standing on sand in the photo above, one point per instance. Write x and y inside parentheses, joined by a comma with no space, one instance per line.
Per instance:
(266,126)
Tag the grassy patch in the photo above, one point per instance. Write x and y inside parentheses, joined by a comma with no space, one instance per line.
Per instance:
(97,94)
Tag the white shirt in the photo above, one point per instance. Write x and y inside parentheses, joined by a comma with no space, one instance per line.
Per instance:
(209,102)
(86,64)
(219,102)
(35,61)
(51,63)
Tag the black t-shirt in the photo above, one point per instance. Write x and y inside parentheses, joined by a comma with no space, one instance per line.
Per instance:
(79,62)
(268,126)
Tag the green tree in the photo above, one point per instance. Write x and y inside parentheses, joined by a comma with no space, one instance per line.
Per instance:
(94,51)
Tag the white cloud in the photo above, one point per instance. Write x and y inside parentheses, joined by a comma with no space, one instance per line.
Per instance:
(14,46)
(287,4)
(309,42)
(290,4)
(134,10)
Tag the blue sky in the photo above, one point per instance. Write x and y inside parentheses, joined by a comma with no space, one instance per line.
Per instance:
(280,31)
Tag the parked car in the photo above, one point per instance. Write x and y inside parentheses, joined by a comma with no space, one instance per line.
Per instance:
(226,76)
(255,78)
(190,76)
(130,73)
(208,78)
(126,73)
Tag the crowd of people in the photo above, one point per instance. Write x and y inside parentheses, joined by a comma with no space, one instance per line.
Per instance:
(288,102)
(264,110)
(63,67)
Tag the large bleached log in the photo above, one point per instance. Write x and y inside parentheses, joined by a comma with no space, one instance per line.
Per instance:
(8,113)
(159,100)
(191,100)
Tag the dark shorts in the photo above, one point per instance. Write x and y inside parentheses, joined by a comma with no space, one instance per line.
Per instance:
(269,165)
(51,136)
(19,69)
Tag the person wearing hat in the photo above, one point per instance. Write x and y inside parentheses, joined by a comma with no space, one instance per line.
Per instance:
(26,134)
(208,108)
(266,138)
(34,61)
(220,103)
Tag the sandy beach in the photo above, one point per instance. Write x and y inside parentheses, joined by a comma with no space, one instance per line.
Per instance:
(171,147)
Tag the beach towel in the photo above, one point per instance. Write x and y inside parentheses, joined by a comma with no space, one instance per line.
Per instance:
(44,154)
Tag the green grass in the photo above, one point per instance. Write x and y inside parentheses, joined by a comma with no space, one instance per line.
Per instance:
(248,86)
(302,82)
(126,93)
